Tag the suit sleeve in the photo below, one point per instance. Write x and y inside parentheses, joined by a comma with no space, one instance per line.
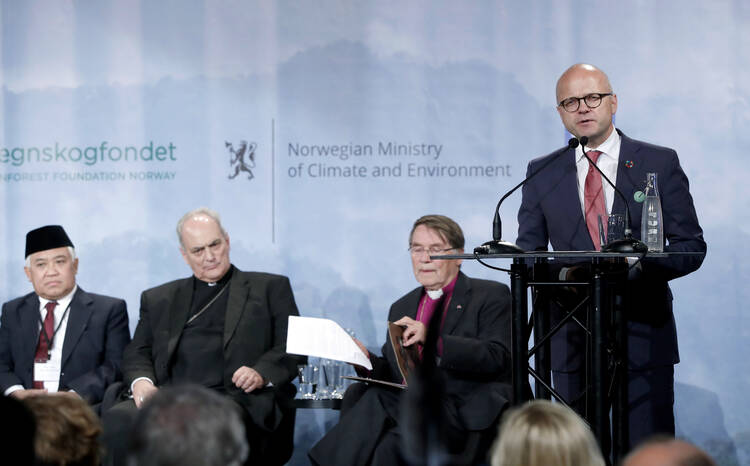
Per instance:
(138,359)
(91,385)
(681,227)
(487,353)
(276,365)
(532,227)
(8,326)
(382,368)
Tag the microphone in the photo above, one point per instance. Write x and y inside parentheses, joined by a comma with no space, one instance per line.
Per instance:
(497,245)
(627,244)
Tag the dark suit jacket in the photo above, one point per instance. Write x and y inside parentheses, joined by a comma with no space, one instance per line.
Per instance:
(551,213)
(255,327)
(475,362)
(96,335)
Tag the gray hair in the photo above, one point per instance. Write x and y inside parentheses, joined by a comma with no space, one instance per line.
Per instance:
(71,250)
(672,451)
(446,227)
(188,425)
(212,214)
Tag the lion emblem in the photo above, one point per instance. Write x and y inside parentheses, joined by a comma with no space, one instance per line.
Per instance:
(241,159)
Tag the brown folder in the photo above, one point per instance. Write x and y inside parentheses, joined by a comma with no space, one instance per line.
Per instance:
(407,358)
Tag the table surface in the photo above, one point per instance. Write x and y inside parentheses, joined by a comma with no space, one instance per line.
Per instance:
(316,404)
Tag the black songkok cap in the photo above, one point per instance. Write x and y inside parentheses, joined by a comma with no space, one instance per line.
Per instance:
(47,237)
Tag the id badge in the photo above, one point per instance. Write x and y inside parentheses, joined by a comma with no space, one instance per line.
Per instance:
(47,372)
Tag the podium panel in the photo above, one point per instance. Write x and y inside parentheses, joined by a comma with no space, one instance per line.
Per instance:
(597,306)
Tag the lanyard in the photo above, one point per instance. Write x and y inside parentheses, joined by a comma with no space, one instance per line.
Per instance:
(44,332)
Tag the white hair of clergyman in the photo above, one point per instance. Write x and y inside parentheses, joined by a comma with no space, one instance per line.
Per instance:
(212,214)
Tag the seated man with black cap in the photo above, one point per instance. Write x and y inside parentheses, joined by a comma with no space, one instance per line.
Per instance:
(60,338)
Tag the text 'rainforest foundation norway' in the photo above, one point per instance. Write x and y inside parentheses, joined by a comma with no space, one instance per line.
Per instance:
(104,162)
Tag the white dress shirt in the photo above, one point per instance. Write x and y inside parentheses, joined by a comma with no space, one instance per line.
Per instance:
(607,163)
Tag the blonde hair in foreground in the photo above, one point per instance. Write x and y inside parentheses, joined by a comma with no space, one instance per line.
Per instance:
(540,433)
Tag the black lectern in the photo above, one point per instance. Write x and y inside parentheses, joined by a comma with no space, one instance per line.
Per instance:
(604,325)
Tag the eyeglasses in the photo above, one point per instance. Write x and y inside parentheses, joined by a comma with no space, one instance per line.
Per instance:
(571,104)
(431,251)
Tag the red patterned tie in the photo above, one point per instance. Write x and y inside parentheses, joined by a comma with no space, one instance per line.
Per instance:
(42,349)
(594,200)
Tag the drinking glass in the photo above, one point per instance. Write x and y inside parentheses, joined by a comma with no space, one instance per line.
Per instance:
(615,227)
(308,377)
(334,382)
(325,384)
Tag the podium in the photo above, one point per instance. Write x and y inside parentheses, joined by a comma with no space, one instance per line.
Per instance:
(605,326)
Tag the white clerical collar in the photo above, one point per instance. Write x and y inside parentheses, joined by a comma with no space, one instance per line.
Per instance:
(435,294)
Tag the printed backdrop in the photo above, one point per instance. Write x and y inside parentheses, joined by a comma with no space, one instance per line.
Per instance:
(321,130)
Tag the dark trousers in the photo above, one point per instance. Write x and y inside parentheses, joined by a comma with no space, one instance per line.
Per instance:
(367,432)
(117,423)
(377,427)
(650,400)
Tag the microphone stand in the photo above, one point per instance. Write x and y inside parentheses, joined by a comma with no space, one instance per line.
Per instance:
(628,243)
(497,245)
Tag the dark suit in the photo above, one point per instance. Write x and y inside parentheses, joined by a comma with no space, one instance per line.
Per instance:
(551,213)
(474,367)
(255,326)
(95,337)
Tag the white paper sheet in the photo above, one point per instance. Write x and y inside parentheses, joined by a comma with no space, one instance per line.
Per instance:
(323,338)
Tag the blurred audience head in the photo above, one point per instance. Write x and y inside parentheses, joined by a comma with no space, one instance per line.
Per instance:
(541,433)
(16,432)
(667,451)
(188,425)
(67,431)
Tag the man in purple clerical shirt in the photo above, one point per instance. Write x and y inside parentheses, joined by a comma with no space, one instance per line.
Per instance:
(381,425)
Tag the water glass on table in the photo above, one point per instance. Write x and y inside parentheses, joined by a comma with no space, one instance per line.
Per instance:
(308,378)
(334,382)
(613,225)
(326,382)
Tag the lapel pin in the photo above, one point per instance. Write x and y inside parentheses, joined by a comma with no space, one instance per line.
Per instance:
(629,164)
(639,196)
(458,307)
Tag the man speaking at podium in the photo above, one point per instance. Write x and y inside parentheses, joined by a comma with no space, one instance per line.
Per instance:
(472,355)
(554,210)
